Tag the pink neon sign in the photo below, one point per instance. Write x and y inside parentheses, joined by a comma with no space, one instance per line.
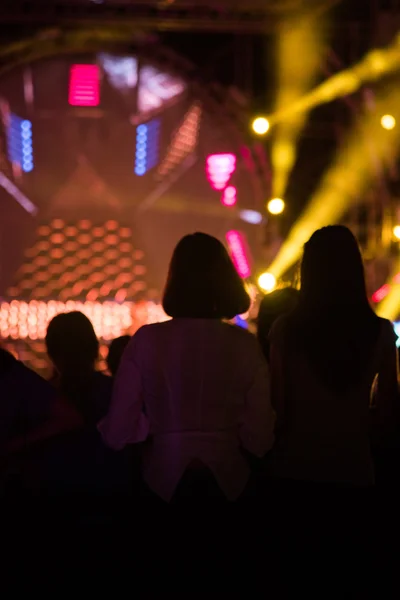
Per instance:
(237,248)
(84,85)
(229,196)
(219,169)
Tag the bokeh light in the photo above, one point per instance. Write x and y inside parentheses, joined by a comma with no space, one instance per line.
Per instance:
(260,125)
(396,232)
(276,206)
(267,282)
(388,122)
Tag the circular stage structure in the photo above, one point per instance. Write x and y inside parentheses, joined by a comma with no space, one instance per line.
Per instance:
(110,152)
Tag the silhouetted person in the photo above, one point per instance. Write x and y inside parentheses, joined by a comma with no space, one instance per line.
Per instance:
(73,348)
(194,388)
(324,358)
(78,463)
(273,306)
(115,352)
(29,413)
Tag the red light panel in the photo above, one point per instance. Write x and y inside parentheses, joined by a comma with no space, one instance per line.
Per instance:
(84,85)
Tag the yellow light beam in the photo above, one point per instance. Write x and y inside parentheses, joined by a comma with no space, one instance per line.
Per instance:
(345,182)
(299,51)
(372,67)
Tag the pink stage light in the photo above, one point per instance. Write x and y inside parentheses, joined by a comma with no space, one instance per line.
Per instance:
(380,294)
(84,85)
(219,169)
(237,247)
(229,196)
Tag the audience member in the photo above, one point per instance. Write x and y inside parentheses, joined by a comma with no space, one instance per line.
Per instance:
(115,352)
(272,306)
(29,413)
(73,348)
(194,389)
(78,463)
(324,357)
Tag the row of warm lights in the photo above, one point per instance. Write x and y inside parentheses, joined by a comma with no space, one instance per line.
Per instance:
(261,125)
(21,320)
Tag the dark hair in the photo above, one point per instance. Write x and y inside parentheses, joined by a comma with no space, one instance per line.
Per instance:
(73,348)
(202,281)
(273,306)
(333,321)
(115,353)
(71,341)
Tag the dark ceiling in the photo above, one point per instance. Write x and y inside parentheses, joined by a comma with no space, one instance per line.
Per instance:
(229,42)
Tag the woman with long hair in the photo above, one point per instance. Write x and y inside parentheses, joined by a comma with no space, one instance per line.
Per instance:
(195,389)
(73,348)
(325,356)
(78,463)
(273,306)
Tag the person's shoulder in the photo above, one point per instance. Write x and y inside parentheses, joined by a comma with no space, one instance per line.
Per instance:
(387,329)
(150,330)
(239,334)
(279,327)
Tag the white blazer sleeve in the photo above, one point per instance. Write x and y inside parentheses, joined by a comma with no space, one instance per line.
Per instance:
(126,422)
(256,430)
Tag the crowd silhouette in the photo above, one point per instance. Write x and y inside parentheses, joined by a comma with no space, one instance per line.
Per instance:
(200,413)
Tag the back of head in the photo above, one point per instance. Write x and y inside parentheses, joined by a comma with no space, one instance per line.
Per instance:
(332,270)
(115,353)
(71,342)
(73,347)
(203,282)
(333,321)
(273,306)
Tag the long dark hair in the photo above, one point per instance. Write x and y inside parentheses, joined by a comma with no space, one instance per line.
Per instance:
(333,322)
(273,306)
(202,281)
(73,347)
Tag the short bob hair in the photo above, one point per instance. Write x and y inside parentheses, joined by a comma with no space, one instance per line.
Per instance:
(202,282)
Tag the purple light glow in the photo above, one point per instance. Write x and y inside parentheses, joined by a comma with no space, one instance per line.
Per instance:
(219,169)
(238,252)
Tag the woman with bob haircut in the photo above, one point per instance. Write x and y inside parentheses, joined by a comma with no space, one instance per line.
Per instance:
(325,357)
(195,389)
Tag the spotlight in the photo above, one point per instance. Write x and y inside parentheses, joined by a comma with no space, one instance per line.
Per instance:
(276,206)
(388,122)
(260,125)
(267,282)
(396,232)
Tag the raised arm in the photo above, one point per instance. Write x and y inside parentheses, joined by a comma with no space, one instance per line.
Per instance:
(126,422)
(256,429)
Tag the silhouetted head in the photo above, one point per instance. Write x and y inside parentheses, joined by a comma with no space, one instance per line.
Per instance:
(115,353)
(332,271)
(273,306)
(333,322)
(202,281)
(71,343)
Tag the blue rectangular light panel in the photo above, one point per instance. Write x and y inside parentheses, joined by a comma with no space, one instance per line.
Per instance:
(147,146)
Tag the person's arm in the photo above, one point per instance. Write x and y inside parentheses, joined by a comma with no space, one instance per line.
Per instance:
(276,354)
(61,418)
(126,422)
(386,409)
(256,428)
